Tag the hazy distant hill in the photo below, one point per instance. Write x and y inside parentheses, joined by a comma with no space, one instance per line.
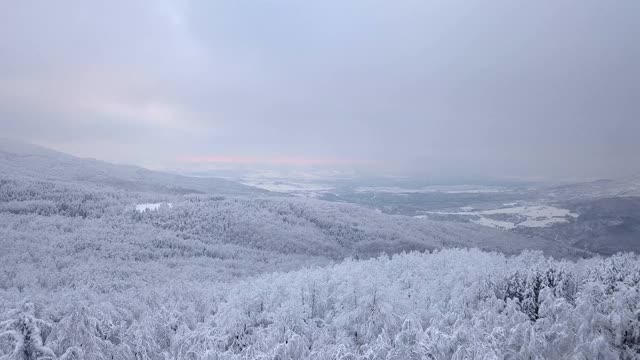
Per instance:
(21,159)
(626,186)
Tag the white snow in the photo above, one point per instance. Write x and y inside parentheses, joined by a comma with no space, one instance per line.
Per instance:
(511,204)
(519,216)
(305,189)
(532,211)
(456,189)
(505,225)
(542,222)
(151,206)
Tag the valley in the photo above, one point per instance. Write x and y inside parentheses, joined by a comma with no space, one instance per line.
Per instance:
(161,265)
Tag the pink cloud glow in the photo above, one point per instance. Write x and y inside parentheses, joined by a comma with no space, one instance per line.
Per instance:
(273,160)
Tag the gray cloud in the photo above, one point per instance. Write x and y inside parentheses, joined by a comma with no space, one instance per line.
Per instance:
(542,89)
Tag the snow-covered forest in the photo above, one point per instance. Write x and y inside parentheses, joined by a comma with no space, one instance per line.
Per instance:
(449,304)
(319,180)
(92,267)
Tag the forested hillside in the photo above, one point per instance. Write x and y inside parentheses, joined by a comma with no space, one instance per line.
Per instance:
(95,270)
(452,304)
(45,223)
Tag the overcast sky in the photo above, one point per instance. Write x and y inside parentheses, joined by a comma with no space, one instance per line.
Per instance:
(542,88)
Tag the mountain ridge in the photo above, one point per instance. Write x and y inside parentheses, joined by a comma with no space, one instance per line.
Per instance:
(24,159)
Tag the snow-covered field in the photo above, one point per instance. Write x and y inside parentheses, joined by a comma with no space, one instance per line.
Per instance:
(151,206)
(311,184)
(498,224)
(511,216)
(298,188)
(455,189)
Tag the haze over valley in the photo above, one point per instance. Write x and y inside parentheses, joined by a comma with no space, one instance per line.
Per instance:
(348,180)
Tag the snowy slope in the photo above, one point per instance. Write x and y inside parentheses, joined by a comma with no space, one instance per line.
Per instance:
(21,159)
